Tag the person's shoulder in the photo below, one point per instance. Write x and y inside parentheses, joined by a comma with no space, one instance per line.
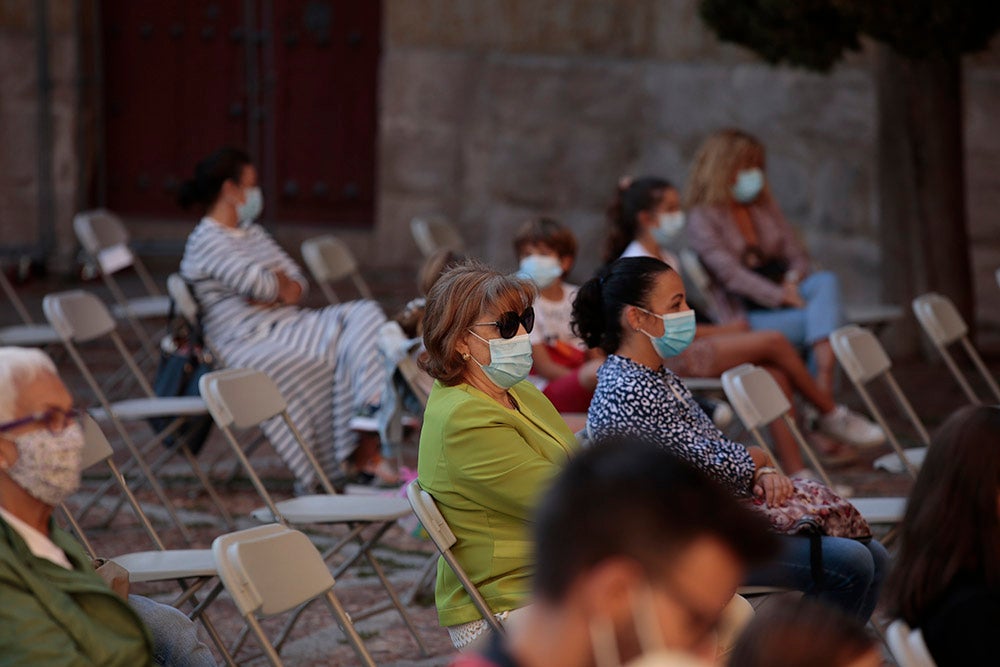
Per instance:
(634,249)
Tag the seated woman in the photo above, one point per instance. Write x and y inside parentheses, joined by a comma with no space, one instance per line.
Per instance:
(490,444)
(325,362)
(946,577)
(761,269)
(643,217)
(55,608)
(635,309)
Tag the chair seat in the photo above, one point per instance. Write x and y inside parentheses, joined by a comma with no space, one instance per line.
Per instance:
(891,463)
(166,565)
(28,335)
(881,510)
(145,408)
(145,307)
(703,384)
(337,509)
(872,314)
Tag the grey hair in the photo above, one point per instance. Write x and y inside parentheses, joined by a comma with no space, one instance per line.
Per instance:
(18,366)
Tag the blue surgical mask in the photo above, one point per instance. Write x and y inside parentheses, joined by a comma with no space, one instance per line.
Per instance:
(678,332)
(251,208)
(510,360)
(748,185)
(543,270)
(668,227)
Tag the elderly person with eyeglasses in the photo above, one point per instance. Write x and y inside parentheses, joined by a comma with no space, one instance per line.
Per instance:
(54,608)
(490,444)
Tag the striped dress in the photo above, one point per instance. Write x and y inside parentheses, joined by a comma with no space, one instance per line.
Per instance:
(325,362)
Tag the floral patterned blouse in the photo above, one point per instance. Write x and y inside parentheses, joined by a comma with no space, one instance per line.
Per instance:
(633,399)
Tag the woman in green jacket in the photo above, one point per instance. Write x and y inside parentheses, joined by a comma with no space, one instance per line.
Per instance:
(491,443)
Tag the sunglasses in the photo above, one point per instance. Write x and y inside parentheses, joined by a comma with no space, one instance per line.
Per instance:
(55,420)
(508,322)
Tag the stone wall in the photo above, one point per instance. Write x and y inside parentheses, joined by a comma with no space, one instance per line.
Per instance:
(22,224)
(497,110)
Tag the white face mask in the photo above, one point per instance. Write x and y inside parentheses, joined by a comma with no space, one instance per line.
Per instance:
(668,227)
(510,360)
(48,465)
(251,208)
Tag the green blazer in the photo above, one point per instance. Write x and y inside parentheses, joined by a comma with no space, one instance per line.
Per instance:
(486,467)
(53,616)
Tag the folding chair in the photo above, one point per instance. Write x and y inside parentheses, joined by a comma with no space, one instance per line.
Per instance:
(80,317)
(875,316)
(908,646)
(758,400)
(330,260)
(434,232)
(444,539)
(181,565)
(698,282)
(271,569)
(28,333)
(944,325)
(105,241)
(864,359)
(244,398)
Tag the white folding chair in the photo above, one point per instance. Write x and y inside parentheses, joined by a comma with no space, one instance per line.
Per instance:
(758,400)
(243,398)
(105,241)
(433,232)
(698,282)
(873,316)
(944,325)
(444,539)
(908,646)
(28,333)
(272,569)
(864,359)
(330,261)
(192,569)
(80,317)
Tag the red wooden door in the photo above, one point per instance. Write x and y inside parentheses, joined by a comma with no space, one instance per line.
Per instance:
(292,81)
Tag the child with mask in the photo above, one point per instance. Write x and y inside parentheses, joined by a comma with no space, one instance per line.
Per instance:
(564,369)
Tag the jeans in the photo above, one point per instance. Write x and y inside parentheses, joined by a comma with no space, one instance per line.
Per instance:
(804,326)
(175,636)
(852,572)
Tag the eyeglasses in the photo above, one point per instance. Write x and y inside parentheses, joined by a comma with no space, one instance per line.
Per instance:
(54,419)
(508,322)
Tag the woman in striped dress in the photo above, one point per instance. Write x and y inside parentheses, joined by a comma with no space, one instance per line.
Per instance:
(325,361)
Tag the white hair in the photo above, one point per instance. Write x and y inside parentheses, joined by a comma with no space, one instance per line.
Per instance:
(18,366)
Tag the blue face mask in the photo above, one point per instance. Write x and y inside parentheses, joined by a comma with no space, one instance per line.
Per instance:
(668,227)
(510,360)
(678,332)
(251,207)
(748,185)
(540,269)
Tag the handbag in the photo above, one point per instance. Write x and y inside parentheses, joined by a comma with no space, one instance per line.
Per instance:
(814,508)
(183,360)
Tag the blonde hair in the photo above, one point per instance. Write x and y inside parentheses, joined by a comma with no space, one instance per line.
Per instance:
(18,367)
(455,303)
(718,159)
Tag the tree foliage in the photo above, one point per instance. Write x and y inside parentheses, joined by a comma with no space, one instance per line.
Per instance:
(815,34)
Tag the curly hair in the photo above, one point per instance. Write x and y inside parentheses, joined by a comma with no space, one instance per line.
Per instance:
(718,159)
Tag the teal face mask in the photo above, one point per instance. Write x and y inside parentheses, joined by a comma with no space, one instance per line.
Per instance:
(542,270)
(678,332)
(510,360)
(748,185)
(251,208)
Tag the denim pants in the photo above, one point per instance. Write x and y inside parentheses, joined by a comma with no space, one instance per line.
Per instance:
(175,636)
(852,572)
(804,326)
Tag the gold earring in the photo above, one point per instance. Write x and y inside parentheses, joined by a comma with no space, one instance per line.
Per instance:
(466,356)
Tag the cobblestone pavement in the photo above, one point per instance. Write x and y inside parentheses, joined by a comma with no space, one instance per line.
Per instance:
(315,639)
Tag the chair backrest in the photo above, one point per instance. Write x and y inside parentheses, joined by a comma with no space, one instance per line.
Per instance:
(444,539)
(241,397)
(697,282)
(184,301)
(330,260)
(939,318)
(104,237)
(754,395)
(270,569)
(433,232)
(77,316)
(96,447)
(860,353)
(908,646)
